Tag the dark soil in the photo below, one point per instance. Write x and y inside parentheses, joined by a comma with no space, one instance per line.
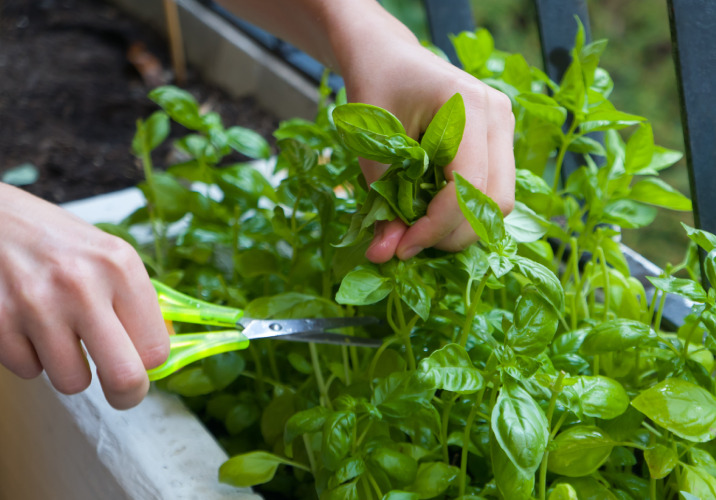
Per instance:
(70,98)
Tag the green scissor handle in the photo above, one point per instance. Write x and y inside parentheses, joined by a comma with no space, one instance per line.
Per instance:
(177,306)
(189,347)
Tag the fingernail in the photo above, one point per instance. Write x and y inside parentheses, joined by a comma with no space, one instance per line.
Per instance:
(409,253)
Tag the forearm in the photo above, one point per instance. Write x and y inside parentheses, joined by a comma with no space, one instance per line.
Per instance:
(335,32)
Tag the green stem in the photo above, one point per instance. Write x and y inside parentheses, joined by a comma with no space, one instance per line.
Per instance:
(259,369)
(322,389)
(155,213)
(474,301)
(605,277)
(444,428)
(562,151)
(556,391)
(378,353)
(466,446)
(346,364)
(309,452)
(404,331)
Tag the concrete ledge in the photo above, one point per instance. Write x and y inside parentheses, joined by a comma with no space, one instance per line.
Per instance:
(231,60)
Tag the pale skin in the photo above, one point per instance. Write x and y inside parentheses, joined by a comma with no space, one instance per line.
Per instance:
(63,281)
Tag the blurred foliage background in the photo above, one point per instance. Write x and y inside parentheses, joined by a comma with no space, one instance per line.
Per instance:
(639,59)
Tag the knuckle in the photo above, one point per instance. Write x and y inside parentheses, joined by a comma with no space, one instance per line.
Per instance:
(125,380)
(155,355)
(72,383)
(120,255)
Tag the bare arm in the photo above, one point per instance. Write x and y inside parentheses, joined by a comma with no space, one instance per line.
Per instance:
(382,63)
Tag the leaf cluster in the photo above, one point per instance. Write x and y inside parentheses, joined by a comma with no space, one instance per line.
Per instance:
(529,365)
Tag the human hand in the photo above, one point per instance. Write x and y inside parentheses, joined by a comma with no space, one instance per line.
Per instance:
(390,69)
(63,281)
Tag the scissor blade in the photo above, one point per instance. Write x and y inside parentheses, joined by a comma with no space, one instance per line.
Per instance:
(286,328)
(332,338)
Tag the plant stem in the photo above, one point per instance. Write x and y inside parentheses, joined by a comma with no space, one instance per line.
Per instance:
(404,331)
(562,151)
(322,389)
(605,277)
(472,304)
(444,428)
(556,391)
(466,445)
(309,452)
(155,213)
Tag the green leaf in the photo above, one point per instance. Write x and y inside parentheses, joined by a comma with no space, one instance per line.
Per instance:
(179,104)
(598,396)
(400,495)
(480,210)
(444,133)
(250,469)
(400,468)
(305,422)
(433,478)
(535,323)
(563,491)
(680,286)
(579,451)
(654,191)
(697,481)
(639,149)
(684,408)
(543,107)
(363,286)
(473,50)
(661,460)
(191,381)
(524,224)
(338,434)
(348,491)
(543,279)
(150,133)
(586,145)
(702,238)
(572,91)
(350,468)
(617,335)
(451,369)
(513,482)
(588,488)
(628,214)
(247,142)
(400,394)
(520,427)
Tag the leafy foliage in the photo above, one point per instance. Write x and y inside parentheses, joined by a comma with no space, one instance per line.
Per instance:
(530,364)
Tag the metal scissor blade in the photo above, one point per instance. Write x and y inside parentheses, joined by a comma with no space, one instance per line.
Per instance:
(332,338)
(286,328)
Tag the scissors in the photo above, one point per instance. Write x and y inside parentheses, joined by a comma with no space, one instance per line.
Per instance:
(189,347)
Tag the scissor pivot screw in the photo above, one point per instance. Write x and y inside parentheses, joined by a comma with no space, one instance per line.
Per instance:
(275,327)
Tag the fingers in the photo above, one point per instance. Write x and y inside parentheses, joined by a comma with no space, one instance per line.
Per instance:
(18,355)
(485,158)
(385,240)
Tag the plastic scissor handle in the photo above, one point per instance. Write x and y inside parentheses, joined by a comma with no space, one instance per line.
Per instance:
(189,347)
(177,306)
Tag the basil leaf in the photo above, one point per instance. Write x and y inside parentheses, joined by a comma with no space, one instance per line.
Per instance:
(400,468)
(337,439)
(433,478)
(579,451)
(179,104)
(543,107)
(680,286)
(247,142)
(598,396)
(480,210)
(451,369)
(400,495)
(543,279)
(524,224)
(520,427)
(661,460)
(250,469)
(535,323)
(563,491)
(304,422)
(150,134)
(513,482)
(702,238)
(697,481)
(654,191)
(687,410)
(617,335)
(639,149)
(363,286)
(444,133)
